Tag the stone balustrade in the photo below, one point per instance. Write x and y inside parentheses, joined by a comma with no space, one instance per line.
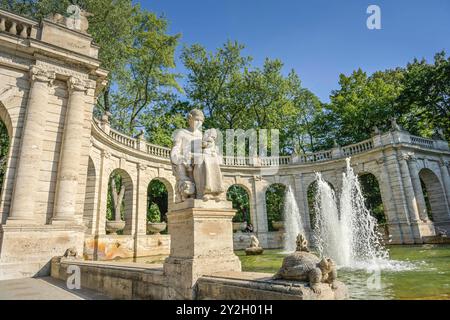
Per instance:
(356,148)
(17,25)
(305,158)
(123,139)
(423,142)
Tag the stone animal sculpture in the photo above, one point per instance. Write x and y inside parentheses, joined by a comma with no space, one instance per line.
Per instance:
(76,18)
(254,248)
(186,189)
(305,266)
(71,253)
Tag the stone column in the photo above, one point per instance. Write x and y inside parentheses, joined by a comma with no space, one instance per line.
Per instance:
(141,201)
(444,165)
(408,190)
(415,179)
(395,177)
(389,204)
(102,193)
(301,196)
(29,160)
(260,210)
(69,163)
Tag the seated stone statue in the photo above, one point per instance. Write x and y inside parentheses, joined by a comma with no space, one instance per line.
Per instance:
(305,266)
(254,248)
(207,173)
(196,161)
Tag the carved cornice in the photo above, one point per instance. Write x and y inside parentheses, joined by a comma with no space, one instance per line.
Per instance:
(60,69)
(77,84)
(42,75)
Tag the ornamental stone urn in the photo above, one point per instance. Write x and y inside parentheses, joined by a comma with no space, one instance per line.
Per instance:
(156,227)
(278,225)
(113,226)
(239,226)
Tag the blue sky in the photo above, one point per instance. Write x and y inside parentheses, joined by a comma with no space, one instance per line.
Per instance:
(319,39)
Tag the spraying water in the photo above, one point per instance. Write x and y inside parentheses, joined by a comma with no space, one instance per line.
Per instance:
(347,234)
(293,221)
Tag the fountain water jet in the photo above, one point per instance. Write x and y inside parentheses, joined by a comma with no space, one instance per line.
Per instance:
(293,221)
(347,234)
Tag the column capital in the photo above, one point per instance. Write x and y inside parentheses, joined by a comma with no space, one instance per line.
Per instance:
(444,163)
(408,156)
(40,74)
(77,84)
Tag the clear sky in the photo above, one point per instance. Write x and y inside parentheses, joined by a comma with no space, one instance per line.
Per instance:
(319,39)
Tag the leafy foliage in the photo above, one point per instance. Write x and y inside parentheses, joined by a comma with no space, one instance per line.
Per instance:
(275,195)
(372,195)
(157,201)
(239,196)
(4,148)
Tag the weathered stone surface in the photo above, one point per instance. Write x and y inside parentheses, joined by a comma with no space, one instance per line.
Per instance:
(261,286)
(201,243)
(143,281)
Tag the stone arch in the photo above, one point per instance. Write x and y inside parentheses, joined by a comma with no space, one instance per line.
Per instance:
(6,119)
(246,208)
(434,196)
(127,206)
(6,133)
(371,189)
(274,196)
(162,200)
(90,198)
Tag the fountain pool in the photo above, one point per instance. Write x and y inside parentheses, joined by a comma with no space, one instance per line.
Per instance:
(423,272)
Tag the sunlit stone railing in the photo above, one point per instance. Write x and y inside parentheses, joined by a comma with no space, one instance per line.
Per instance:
(423,142)
(157,151)
(18,26)
(123,139)
(357,148)
(236,161)
(139,144)
(275,161)
(313,157)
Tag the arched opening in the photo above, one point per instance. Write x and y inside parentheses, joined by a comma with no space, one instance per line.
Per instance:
(311,196)
(372,195)
(4,149)
(157,203)
(240,198)
(90,198)
(434,196)
(119,209)
(275,195)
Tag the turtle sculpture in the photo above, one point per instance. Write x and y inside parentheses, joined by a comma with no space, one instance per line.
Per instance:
(305,266)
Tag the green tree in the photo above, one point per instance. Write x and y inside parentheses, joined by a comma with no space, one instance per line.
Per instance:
(363,102)
(146,82)
(425,101)
(215,83)
(275,195)
(157,201)
(239,197)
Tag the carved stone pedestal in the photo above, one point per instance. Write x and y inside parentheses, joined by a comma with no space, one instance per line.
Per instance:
(201,244)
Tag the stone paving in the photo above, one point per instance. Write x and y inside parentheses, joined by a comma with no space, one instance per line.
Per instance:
(45,288)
